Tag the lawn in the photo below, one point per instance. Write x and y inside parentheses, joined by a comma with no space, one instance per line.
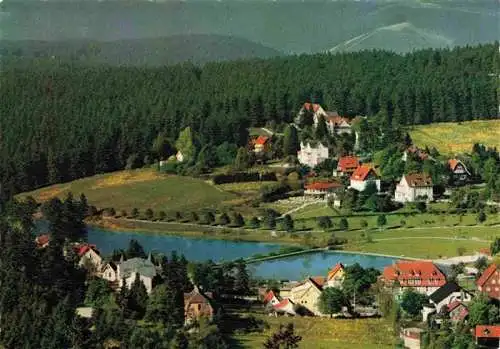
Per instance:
(452,138)
(325,333)
(145,188)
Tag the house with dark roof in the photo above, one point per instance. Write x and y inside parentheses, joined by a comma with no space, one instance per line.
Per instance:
(421,276)
(128,270)
(459,172)
(489,282)
(363,176)
(346,166)
(198,304)
(441,299)
(414,187)
(487,336)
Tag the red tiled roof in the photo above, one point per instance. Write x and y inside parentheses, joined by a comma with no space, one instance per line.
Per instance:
(486,275)
(362,172)
(418,180)
(261,140)
(42,240)
(485,331)
(270,295)
(422,274)
(348,163)
(314,106)
(322,185)
(81,249)
(453,163)
(334,270)
(283,303)
(318,280)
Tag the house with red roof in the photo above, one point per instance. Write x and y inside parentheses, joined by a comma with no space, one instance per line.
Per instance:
(311,154)
(335,276)
(362,176)
(315,109)
(322,189)
(346,166)
(457,311)
(42,241)
(487,336)
(459,171)
(489,282)
(261,144)
(421,276)
(90,257)
(271,298)
(415,151)
(285,307)
(414,187)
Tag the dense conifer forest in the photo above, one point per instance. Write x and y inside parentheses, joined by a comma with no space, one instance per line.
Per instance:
(60,121)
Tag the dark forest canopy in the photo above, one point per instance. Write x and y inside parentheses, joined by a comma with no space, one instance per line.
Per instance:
(61,121)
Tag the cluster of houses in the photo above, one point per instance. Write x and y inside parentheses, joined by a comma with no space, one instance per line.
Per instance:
(421,276)
(124,273)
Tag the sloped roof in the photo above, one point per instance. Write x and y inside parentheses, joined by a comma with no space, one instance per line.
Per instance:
(444,291)
(318,281)
(42,240)
(81,249)
(270,295)
(261,140)
(362,172)
(311,107)
(322,185)
(334,270)
(485,331)
(139,265)
(196,297)
(418,180)
(486,275)
(425,271)
(348,162)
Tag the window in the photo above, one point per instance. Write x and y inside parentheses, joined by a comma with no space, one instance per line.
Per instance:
(199,306)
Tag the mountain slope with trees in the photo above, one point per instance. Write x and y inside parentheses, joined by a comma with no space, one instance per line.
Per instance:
(61,121)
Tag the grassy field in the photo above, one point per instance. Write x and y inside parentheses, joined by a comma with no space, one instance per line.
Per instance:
(145,188)
(452,138)
(324,333)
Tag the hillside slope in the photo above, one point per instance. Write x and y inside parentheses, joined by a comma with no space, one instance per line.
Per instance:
(401,37)
(451,138)
(198,49)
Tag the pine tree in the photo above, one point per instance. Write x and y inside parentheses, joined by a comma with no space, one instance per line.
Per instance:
(290,141)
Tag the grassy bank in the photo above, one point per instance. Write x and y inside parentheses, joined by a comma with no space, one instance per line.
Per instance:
(451,138)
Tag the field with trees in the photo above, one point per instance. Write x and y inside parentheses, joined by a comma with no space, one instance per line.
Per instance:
(453,138)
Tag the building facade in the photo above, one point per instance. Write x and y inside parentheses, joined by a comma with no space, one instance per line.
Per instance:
(414,187)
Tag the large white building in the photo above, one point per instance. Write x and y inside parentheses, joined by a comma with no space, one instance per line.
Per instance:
(414,187)
(312,155)
(127,271)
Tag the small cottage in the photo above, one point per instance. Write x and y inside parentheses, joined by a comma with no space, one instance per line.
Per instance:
(487,336)
(414,187)
(346,166)
(459,172)
(412,337)
(489,282)
(322,190)
(261,144)
(335,276)
(197,304)
(89,256)
(364,175)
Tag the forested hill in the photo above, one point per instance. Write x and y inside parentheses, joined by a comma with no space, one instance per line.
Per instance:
(198,49)
(59,121)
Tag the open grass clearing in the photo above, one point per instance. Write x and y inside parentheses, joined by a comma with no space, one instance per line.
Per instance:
(451,138)
(142,189)
(325,333)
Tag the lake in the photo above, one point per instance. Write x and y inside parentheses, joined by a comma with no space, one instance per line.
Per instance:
(291,268)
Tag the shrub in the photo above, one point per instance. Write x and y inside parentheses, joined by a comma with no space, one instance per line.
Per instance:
(208,218)
(224,219)
(364,224)
(162,215)
(324,222)
(135,213)
(149,214)
(178,216)
(123,214)
(481,217)
(237,220)
(343,224)
(254,223)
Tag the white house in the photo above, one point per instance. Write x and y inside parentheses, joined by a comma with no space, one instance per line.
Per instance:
(414,187)
(128,270)
(312,155)
(89,256)
(179,156)
(363,176)
(337,124)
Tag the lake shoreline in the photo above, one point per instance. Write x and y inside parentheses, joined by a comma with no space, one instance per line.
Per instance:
(112,226)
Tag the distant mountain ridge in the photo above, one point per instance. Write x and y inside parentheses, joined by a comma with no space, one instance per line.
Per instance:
(195,48)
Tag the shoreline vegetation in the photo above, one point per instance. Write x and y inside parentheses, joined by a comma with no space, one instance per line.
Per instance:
(291,246)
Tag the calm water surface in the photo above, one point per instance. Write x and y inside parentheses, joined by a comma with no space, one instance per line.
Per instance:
(291,268)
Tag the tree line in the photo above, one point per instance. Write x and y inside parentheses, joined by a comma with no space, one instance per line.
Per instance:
(62,121)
